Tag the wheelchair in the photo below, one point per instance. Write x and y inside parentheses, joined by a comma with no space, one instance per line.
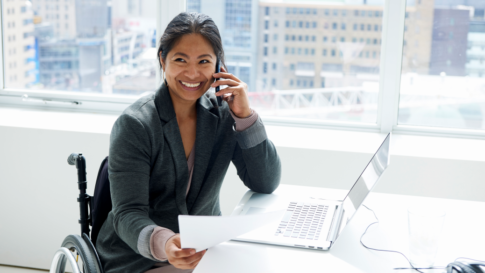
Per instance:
(79,250)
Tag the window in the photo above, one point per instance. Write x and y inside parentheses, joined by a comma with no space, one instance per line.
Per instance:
(274,66)
(266,38)
(448,65)
(57,66)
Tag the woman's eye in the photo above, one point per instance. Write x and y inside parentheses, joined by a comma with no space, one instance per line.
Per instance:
(204,61)
(179,60)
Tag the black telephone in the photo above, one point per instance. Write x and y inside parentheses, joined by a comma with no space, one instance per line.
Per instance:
(218,70)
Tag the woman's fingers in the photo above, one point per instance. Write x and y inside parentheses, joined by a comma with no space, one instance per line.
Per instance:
(188,262)
(225,75)
(228,82)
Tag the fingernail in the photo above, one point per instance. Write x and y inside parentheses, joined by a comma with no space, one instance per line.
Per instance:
(192,251)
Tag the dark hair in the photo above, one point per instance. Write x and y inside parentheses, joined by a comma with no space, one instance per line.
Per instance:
(188,23)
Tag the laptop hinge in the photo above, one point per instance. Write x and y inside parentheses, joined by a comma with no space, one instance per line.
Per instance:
(335,226)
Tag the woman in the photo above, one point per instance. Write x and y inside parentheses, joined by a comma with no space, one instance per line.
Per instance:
(169,153)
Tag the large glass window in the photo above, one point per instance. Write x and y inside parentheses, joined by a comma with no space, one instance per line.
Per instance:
(334,75)
(443,69)
(95,46)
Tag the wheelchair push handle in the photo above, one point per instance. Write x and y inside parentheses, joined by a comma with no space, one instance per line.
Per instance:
(83,199)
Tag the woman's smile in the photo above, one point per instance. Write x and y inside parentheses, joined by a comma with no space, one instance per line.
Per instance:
(190,86)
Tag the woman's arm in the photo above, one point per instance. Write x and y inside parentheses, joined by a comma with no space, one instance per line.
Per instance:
(255,157)
(129,175)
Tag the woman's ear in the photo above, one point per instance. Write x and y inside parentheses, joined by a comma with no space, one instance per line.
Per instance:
(162,63)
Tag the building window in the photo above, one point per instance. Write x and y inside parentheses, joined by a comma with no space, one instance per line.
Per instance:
(288,10)
(307,38)
(292,67)
(275,23)
(327,12)
(334,39)
(265,51)
(354,40)
(324,53)
(333,53)
(265,67)
(342,26)
(325,39)
(266,11)
(300,24)
(299,51)
(311,83)
(376,27)
(342,39)
(287,23)
(291,82)
(306,51)
(335,12)
(298,83)
(299,38)
(286,50)
(314,24)
(355,27)
(313,51)
(274,82)
(274,66)
(294,24)
(375,41)
(307,24)
(334,25)
(266,24)
(369,27)
(265,38)
(293,37)
(287,37)
(293,50)
(275,37)
(314,38)
(275,50)
(362,27)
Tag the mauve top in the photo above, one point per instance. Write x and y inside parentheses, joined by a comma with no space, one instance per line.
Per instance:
(160,235)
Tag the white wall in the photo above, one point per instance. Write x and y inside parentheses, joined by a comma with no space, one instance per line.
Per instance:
(38,188)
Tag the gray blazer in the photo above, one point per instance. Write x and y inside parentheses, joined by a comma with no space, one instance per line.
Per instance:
(148,172)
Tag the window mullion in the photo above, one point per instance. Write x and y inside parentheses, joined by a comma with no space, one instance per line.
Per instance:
(390,66)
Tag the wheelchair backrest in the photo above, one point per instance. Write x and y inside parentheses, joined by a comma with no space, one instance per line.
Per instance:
(101,201)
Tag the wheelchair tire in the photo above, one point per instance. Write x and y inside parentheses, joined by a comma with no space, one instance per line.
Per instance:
(76,244)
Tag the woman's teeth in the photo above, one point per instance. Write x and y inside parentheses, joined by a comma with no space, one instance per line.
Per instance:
(190,84)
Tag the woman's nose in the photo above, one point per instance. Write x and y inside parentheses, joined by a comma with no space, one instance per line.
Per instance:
(192,72)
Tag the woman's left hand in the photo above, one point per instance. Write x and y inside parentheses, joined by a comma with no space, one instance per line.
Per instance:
(238,98)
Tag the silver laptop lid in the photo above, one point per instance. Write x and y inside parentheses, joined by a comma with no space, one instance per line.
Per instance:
(367,180)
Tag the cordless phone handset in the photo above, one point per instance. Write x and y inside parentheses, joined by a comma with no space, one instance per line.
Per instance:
(218,70)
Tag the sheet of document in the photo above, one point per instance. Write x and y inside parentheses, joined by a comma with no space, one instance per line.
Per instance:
(203,232)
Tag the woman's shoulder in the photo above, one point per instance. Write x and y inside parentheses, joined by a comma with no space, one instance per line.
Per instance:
(141,112)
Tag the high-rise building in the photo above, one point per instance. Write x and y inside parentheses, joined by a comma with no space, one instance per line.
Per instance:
(61,15)
(19,46)
(305,45)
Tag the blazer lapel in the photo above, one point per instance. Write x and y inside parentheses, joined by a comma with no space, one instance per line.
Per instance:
(207,123)
(171,133)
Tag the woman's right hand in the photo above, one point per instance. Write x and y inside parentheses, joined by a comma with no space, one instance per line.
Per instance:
(182,258)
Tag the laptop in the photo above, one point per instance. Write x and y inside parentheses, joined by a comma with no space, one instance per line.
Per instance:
(314,223)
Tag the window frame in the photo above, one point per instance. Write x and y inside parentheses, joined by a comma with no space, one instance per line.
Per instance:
(392,36)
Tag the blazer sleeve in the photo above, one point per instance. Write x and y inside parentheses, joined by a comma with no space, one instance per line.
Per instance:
(256,160)
(129,176)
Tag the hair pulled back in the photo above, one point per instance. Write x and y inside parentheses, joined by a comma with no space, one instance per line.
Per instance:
(188,23)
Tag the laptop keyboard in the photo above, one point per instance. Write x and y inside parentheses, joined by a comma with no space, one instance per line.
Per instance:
(302,221)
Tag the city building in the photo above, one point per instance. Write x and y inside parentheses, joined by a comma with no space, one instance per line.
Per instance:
(61,15)
(18,44)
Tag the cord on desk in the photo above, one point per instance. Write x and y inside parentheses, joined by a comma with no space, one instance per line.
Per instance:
(384,250)
(412,267)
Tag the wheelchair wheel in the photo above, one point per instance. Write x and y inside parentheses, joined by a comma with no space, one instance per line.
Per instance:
(85,257)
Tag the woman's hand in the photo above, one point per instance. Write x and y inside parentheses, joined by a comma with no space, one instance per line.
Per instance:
(237,97)
(182,258)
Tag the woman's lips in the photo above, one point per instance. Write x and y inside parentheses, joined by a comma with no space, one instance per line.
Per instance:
(189,88)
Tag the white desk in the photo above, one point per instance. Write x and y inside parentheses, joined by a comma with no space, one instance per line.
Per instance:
(463,236)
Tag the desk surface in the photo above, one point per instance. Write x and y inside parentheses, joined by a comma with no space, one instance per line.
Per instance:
(461,237)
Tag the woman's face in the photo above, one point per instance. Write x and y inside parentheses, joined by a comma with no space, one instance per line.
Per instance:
(189,67)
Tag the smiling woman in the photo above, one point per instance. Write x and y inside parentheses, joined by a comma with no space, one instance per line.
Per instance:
(170,151)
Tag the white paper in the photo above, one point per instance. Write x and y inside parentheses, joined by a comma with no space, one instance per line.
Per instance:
(202,232)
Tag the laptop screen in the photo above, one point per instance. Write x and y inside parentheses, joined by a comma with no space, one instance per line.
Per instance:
(368,179)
